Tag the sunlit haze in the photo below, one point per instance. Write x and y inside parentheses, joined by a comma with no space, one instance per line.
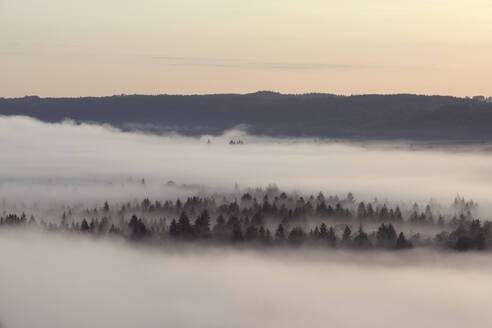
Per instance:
(261,163)
(105,47)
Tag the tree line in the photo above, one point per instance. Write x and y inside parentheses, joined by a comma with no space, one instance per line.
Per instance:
(270,218)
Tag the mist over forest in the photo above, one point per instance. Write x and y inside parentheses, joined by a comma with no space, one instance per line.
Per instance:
(245,164)
(236,229)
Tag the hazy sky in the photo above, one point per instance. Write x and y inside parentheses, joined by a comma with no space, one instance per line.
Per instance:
(104,47)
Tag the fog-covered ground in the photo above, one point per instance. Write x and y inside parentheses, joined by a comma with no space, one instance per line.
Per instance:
(69,280)
(50,281)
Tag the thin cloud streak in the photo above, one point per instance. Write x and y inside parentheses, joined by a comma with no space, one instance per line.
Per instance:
(239,63)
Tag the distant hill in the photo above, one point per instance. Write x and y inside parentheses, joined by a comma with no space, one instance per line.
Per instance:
(372,117)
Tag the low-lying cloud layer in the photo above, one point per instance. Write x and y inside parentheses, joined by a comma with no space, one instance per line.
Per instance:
(81,162)
(50,281)
(61,280)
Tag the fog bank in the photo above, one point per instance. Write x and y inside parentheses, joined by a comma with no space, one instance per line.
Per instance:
(45,161)
(50,281)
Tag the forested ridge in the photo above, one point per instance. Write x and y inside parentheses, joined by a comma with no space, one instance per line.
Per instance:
(361,117)
(271,218)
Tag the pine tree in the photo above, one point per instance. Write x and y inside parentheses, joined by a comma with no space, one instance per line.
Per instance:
(296,236)
(202,225)
(106,206)
(402,242)
(184,226)
(361,240)
(347,235)
(84,227)
(237,233)
(280,233)
(173,229)
(137,228)
(331,237)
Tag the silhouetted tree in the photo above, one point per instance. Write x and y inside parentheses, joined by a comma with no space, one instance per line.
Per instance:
(296,236)
(137,228)
(173,229)
(202,225)
(237,233)
(347,236)
(84,226)
(386,236)
(106,206)
(280,233)
(184,226)
(361,240)
(402,242)
(331,237)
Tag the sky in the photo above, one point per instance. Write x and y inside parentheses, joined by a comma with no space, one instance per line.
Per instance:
(106,47)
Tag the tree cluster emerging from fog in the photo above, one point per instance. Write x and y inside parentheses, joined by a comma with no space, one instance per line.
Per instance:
(272,218)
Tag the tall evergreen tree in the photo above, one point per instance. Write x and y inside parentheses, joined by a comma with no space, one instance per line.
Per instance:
(402,242)
(184,226)
(347,236)
(173,229)
(280,233)
(202,225)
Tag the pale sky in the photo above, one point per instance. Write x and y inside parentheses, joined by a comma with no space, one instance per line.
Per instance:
(105,47)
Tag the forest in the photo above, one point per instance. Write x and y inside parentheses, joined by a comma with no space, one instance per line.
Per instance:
(272,218)
(358,117)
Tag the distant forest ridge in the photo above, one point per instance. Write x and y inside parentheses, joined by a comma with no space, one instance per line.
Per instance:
(358,117)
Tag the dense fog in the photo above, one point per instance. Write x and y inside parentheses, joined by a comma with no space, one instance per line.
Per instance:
(73,275)
(51,281)
(83,162)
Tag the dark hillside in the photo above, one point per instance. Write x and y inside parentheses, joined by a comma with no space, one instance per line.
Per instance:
(388,117)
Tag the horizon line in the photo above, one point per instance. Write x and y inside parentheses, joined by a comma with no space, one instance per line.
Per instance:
(258,92)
